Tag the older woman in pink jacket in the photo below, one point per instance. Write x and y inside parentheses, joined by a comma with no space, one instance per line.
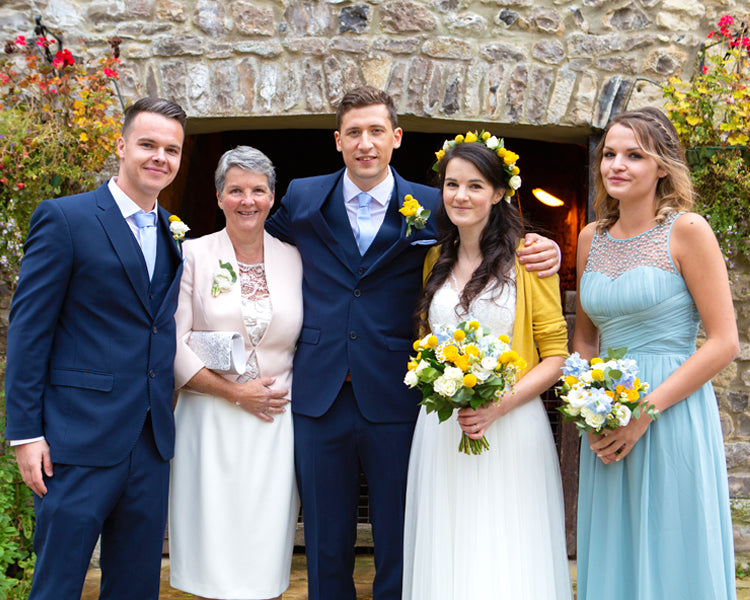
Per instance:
(233,499)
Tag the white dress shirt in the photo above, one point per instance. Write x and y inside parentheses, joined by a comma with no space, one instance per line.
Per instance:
(381,194)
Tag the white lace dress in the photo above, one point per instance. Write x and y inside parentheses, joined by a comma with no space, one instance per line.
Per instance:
(233,496)
(485,527)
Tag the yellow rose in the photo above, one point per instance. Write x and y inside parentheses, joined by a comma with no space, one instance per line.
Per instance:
(459,139)
(450,352)
(470,137)
(439,155)
(410,208)
(432,342)
(470,380)
(505,357)
(412,365)
(459,335)
(471,350)
(462,362)
(417,345)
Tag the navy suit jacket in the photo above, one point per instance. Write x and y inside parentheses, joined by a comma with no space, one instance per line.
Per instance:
(91,341)
(357,309)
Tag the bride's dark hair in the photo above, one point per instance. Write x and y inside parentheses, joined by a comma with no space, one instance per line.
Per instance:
(498,242)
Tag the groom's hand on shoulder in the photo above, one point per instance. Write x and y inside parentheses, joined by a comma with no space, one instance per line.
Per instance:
(540,254)
(34,462)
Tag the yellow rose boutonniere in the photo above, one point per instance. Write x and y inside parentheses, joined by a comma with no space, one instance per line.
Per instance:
(416,215)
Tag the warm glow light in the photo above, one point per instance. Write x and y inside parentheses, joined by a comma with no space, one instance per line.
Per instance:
(546,197)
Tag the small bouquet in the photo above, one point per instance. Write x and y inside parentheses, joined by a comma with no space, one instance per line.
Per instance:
(415,214)
(604,393)
(465,366)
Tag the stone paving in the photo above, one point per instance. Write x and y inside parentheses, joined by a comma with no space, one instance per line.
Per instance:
(363,574)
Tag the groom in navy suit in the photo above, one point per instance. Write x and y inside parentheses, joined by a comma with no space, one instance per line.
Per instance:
(361,280)
(89,376)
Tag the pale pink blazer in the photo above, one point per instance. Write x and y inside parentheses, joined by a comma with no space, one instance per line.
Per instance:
(198,310)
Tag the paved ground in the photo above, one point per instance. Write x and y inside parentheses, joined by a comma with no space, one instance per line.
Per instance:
(363,573)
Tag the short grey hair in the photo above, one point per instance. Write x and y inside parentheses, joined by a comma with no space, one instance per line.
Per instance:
(246,158)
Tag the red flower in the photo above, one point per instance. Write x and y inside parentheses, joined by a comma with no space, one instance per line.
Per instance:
(726,21)
(3,180)
(20,185)
(21,40)
(705,69)
(110,73)
(63,58)
(745,42)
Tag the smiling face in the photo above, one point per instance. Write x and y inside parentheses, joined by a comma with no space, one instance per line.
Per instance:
(246,200)
(468,196)
(149,152)
(628,173)
(366,141)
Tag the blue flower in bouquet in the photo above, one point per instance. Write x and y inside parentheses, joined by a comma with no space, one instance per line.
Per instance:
(575,366)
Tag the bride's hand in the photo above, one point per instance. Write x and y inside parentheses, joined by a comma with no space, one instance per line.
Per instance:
(475,423)
(258,398)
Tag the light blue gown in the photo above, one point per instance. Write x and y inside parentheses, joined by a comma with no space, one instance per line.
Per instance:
(656,525)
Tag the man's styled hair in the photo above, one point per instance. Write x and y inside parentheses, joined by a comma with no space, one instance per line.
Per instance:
(158,106)
(366,96)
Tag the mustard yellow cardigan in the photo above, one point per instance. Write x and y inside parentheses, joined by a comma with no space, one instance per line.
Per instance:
(539,322)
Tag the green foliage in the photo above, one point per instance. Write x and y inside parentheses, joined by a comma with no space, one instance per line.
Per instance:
(59,122)
(711,113)
(16,525)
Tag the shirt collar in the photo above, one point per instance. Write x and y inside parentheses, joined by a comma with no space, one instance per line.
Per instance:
(127,206)
(381,193)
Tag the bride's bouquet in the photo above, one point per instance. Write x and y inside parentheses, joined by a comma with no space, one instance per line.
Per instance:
(604,393)
(463,366)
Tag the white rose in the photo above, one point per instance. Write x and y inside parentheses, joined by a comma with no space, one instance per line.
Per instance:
(445,386)
(453,373)
(411,379)
(423,364)
(480,372)
(592,419)
(577,398)
(223,281)
(622,413)
(178,229)
(514,182)
(489,363)
(493,143)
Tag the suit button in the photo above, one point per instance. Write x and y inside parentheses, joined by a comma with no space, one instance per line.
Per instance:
(152,373)
(357,293)
(154,330)
(352,335)
(361,271)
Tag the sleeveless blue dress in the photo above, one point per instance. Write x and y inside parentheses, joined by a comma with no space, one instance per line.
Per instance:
(657,524)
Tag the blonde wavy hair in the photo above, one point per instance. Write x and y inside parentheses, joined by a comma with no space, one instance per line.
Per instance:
(657,138)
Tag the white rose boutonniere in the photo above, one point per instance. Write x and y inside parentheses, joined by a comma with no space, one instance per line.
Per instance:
(224,278)
(177,228)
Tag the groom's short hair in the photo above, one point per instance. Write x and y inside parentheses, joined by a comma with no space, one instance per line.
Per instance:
(366,95)
(159,106)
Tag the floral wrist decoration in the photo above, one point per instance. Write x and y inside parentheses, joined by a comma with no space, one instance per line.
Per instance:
(177,228)
(416,215)
(224,278)
(497,145)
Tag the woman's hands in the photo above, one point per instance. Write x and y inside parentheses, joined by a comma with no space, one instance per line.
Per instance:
(258,398)
(475,423)
(613,446)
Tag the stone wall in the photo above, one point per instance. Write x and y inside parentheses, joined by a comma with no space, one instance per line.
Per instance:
(543,69)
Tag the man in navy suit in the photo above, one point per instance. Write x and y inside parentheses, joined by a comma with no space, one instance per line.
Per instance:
(361,280)
(89,374)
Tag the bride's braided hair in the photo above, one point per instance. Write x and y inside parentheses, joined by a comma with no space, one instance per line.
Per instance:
(658,139)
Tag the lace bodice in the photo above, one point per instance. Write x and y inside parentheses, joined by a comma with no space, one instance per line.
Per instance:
(613,257)
(492,309)
(256,310)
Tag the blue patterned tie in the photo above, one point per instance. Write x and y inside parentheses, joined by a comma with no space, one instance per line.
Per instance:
(147,232)
(366,230)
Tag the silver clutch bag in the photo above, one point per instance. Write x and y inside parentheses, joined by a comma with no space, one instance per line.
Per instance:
(220,351)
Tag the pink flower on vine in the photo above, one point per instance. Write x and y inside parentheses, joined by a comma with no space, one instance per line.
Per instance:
(110,73)
(20,185)
(726,21)
(21,40)
(3,180)
(704,69)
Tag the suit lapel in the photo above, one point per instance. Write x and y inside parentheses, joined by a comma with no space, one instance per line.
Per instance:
(328,215)
(124,244)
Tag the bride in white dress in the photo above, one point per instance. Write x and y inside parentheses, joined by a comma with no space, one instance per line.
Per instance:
(489,526)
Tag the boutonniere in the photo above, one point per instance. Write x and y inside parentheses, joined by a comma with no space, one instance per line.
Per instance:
(224,277)
(177,228)
(416,215)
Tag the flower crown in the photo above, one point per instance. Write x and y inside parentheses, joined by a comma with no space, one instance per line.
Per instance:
(508,158)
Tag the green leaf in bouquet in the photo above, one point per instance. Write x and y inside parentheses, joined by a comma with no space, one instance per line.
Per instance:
(616,354)
(444,413)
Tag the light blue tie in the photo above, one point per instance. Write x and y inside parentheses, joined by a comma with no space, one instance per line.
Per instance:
(366,230)
(147,232)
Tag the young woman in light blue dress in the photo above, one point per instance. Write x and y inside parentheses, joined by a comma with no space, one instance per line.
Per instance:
(653,507)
